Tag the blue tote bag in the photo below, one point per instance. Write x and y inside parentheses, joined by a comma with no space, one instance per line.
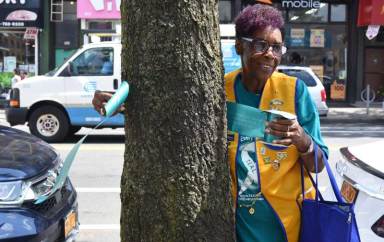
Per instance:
(326,221)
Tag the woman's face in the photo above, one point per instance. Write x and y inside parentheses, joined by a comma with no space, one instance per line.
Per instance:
(258,64)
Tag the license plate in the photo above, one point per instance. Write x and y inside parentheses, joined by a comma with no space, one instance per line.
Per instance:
(69,223)
(349,192)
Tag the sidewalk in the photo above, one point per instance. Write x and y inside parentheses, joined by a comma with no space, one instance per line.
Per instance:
(355,114)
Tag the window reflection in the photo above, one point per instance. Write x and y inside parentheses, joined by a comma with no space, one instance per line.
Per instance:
(314,15)
(225,11)
(338,12)
(94,62)
(328,60)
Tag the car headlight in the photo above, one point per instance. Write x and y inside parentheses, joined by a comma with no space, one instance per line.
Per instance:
(44,186)
(10,191)
(15,193)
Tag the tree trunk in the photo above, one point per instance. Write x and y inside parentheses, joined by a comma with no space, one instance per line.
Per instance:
(175,184)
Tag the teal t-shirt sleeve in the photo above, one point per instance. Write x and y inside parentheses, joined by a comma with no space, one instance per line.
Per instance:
(308,116)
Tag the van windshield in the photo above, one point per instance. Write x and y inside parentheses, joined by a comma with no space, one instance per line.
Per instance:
(52,72)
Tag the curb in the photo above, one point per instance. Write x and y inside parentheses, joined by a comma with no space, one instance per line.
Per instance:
(325,120)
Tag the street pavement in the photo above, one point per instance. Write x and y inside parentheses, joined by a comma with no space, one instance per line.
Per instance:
(359,114)
(98,166)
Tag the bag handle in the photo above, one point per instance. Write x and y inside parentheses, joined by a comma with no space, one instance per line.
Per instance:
(330,175)
(302,167)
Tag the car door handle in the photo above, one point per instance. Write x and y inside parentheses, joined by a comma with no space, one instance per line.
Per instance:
(115,84)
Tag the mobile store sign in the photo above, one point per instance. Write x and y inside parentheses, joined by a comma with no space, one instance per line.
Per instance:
(300,4)
(21,13)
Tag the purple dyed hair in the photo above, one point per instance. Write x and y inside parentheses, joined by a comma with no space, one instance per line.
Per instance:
(257,17)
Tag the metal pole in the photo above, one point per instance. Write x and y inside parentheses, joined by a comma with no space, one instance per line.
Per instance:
(37,52)
(368,98)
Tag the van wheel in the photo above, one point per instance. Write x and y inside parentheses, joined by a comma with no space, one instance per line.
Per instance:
(49,123)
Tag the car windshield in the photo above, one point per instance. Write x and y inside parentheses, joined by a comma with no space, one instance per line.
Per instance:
(300,74)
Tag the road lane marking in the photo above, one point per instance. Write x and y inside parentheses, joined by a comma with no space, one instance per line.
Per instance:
(352,131)
(91,147)
(99,226)
(98,189)
(121,147)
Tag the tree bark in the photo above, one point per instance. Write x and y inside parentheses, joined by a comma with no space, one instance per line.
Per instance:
(175,184)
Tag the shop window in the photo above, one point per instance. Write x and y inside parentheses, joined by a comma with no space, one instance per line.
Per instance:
(105,38)
(338,12)
(15,52)
(225,11)
(313,15)
(93,62)
(321,47)
(100,25)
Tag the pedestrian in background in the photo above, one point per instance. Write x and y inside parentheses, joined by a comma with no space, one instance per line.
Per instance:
(16,77)
(23,74)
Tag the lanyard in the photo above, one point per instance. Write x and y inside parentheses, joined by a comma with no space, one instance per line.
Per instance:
(250,164)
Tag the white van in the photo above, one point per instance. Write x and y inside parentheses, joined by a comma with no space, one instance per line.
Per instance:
(59,103)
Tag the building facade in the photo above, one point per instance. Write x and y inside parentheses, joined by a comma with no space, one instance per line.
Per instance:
(322,34)
(100,20)
(33,35)
(20,24)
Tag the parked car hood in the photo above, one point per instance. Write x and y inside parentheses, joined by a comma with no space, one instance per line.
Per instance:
(23,156)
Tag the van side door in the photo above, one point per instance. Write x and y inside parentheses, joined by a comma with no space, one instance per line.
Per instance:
(93,69)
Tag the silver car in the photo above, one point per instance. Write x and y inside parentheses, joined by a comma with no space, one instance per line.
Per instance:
(315,87)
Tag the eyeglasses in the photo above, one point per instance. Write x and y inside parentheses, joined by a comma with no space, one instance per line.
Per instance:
(260,46)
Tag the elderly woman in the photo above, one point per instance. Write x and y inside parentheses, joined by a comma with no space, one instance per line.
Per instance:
(266,178)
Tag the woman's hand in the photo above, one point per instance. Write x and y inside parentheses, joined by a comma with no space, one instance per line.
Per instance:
(290,132)
(100,98)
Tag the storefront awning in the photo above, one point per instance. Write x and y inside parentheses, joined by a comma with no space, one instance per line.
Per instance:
(371,12)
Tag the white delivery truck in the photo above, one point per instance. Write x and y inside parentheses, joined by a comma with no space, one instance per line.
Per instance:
(59,103)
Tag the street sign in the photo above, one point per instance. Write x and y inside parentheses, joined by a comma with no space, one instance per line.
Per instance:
(30,33)
(9,63)
(372,31)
